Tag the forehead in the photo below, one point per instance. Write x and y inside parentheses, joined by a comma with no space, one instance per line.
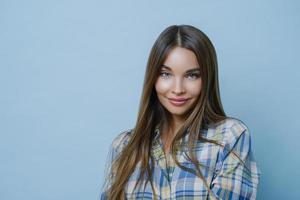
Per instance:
(181,59)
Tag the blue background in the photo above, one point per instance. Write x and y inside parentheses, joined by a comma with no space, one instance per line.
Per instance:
(71,75)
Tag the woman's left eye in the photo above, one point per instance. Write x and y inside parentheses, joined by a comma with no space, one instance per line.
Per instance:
(193,76)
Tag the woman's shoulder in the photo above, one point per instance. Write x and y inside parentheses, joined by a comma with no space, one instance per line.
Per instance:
(121,140)
(228,130)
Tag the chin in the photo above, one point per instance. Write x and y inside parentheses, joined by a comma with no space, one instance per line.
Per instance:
(178,113)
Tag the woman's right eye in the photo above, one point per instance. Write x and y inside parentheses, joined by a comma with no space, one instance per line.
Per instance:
(165,74)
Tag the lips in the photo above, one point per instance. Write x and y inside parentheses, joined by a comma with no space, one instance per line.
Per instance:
(178,101)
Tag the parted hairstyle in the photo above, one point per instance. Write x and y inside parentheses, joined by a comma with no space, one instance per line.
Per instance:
(207,110)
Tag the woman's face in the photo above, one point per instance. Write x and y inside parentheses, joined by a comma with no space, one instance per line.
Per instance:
(178,85)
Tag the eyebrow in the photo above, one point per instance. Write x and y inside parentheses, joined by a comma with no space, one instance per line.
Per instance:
(188,71)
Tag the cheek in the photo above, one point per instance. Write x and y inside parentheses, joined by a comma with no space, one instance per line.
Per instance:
(162,86)
(195,88)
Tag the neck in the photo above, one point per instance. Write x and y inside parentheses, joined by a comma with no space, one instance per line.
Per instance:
(173,127)
(176,123)
(169,131)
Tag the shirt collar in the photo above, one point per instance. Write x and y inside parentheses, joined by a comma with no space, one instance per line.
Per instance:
(156,138)
(156,132)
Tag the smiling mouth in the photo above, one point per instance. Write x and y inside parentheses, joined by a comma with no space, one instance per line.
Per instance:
(178,102)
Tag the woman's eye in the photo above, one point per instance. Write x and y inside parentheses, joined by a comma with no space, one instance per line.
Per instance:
(193,76)
(165,74)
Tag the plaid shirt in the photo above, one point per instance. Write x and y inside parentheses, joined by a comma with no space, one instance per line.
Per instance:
(224,173)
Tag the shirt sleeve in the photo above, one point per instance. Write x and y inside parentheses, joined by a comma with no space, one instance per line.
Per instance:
(114,150)
(107,173)
(237,174)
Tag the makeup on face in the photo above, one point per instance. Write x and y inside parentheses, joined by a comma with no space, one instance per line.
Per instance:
(179,82)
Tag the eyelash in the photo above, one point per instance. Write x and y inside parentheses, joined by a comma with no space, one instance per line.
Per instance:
(194,75)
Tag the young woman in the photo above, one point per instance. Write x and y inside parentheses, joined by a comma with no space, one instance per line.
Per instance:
(183,145)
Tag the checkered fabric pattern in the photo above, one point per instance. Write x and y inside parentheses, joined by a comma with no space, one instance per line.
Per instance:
(227,176)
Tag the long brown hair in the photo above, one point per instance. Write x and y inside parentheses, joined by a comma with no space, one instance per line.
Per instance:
(208,109)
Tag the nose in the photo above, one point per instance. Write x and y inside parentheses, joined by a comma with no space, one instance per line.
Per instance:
(178,87)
